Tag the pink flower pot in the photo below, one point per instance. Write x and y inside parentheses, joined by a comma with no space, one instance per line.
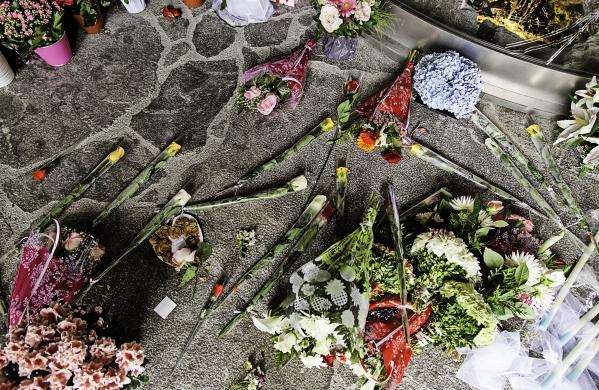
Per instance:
(57,54)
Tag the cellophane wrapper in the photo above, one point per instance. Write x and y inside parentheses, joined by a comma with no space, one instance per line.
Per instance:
(292,68)
(62,276)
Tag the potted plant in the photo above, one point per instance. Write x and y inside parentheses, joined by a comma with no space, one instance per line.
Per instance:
(134,6)
(6,73)
(88,13)
(35,26)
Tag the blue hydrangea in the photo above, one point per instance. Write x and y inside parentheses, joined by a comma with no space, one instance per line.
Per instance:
(448,81)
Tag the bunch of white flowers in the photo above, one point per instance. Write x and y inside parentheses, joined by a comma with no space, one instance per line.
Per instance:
(333,13)
(454,249)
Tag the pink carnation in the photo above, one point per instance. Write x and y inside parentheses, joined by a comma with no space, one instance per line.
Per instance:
(346,7)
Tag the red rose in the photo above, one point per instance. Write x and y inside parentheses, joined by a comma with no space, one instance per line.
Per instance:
(392,156)
(329,360)
(351,86)
(39,175)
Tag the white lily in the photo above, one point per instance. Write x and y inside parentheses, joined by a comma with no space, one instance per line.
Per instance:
(593,156)
(589,96)
(581,124)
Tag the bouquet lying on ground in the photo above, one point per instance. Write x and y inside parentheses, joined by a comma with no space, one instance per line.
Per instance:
(27,25)
(349,18)
(274,83)
(52,346)
(467,266)
(582,130)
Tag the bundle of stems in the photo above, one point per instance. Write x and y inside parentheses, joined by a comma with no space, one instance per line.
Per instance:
(173,207)
(286,262)
(438,160)
(154,166)
(560,370)
(323,127)
(291,236)
(297,184)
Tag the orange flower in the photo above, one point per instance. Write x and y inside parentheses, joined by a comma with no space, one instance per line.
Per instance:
(367,140)
(39,175)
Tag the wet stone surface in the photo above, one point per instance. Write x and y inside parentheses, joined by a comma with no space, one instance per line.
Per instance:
(145,80)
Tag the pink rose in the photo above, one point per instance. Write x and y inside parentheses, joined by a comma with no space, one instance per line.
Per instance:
(182,257)
(528,225)
(266,106)
(72,243)
(252,93)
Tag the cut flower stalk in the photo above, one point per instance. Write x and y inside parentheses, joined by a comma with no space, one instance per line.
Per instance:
(323,127)
(156,165)
(173,207)
(296,231)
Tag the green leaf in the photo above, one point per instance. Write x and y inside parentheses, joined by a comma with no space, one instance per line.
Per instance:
(482,232)
(505,315)
(550,242)
(525,312)
(492,259)
(521,274)
(343,111)
(478,206)
(204,251)
(500,224)
(189,274)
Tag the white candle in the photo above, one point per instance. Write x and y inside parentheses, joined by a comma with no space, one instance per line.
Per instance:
(6,73)
(558,373)
(586,255)
(585,319)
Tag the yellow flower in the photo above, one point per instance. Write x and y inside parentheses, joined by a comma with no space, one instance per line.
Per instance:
(416,150)
(533,129)
(116,155)
(172,149)
(328,124)
(342,172)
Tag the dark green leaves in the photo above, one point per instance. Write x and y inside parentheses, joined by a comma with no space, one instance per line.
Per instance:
(203,252)
(190,273)
(493,259)
(521,274)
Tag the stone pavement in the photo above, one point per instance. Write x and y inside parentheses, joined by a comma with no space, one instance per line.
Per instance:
(145,79)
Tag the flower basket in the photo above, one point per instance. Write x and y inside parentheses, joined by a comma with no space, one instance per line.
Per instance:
(176,242)
(6,73)
(56,54)
(134,6)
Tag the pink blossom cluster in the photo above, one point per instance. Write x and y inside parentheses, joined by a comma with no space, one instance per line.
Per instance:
(333,13)
(59,349)
(266,102)
(19,20)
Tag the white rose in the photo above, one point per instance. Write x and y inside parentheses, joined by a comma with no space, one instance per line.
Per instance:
(363,11)
(329,18)
(271,325)
(285,342)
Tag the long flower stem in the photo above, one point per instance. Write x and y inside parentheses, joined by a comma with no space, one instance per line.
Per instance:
(323,127)
(297,184)
(340,188)
(442,162)
(108,161)
(565,289)
(156,165)
(173,207)
(296,231)
(298,248)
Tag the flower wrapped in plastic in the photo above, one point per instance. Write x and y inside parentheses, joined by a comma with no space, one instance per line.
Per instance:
(275,83)
(54,264)
(62,348)
(384,117)
(243,12)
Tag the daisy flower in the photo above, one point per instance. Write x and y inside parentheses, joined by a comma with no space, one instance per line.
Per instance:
(535,268)
(542,297)
(462,203)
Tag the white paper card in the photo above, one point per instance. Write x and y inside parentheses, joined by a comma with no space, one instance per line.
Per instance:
(165,307)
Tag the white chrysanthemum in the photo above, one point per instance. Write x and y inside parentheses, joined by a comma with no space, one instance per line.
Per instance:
(285,342)
(318,327)
(423,218)
(271,325)
(484,219)
(335,287)
(347,319)
(542,298)
(454,249)
(462,203)
(312,361)
(556,278)
(535,268)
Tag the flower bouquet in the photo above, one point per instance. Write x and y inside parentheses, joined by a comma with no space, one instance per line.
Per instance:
(582,129)
(27,26)
(273,83)
(467,267)
(54,264)
(68,348)
(180,243)
(344,20)
(383,118)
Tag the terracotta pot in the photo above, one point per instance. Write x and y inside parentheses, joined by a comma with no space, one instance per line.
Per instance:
(193,3)
(94,28)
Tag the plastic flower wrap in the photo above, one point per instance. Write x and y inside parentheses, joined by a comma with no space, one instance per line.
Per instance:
(582,129)
(243,12)
(55,264)
(384,117)
(63,348)
(447,81)
(275,82)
